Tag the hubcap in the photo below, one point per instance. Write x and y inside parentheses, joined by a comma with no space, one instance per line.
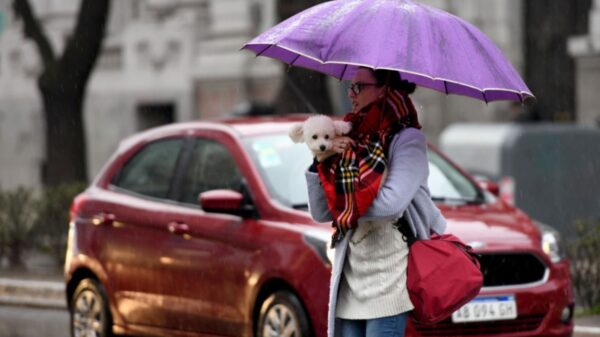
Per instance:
(281,322)
(87,315)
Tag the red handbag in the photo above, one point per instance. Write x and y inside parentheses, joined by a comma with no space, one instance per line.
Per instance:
(443,275)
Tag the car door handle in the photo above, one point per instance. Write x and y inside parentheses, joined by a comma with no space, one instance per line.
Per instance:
(104,219)
(178,228)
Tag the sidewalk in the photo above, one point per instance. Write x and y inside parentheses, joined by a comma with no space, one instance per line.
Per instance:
(588,325)
(43,294)
(39,285)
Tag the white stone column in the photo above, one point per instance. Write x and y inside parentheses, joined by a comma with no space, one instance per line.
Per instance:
(586,52)
(595,25)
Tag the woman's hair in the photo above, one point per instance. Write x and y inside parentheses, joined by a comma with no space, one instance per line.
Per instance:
(392,79)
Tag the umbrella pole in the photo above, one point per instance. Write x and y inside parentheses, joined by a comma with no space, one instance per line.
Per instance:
(300,95)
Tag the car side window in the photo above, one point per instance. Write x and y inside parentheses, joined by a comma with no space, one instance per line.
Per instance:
(211,167)
(150,171)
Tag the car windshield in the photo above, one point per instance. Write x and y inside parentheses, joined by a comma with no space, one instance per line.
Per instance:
(282,164)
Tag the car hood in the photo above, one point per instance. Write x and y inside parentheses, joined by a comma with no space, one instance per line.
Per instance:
(492,226)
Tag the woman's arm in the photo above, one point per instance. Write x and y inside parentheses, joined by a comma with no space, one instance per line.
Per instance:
(408,169)
(317,204)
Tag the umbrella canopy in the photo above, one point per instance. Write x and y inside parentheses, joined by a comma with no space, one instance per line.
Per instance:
(428,46)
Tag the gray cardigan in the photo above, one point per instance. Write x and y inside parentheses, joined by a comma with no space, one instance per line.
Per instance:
(403,191)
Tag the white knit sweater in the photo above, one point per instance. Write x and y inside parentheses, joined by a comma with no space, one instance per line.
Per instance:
(374,278)
(403,192)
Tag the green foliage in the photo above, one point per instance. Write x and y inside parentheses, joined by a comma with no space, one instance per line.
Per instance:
(581,312)
(27,222)
(17,219)
(53,218)
(584,255)
(3,231)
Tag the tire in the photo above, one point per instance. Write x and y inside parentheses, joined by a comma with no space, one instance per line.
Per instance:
(89,311)
(282,315)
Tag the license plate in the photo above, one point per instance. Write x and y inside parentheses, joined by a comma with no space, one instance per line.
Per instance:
(487,309)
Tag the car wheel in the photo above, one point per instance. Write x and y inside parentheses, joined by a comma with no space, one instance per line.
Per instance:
(90,314)
(282,315)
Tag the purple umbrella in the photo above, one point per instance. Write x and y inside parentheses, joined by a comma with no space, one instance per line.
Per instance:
(428,46)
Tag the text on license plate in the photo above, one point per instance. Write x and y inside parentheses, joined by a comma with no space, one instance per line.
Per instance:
(487,309)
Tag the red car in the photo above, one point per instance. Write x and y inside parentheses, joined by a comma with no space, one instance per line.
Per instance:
(201,229)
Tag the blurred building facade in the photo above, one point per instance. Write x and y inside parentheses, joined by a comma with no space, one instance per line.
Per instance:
(162,61)
(177,60)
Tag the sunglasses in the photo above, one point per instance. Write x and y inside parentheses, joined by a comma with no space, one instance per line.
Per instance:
(357,87)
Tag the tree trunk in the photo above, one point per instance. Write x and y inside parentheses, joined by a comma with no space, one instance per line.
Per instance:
(15,256)
(302,90)
(62,85)
(549,70)
(65,140)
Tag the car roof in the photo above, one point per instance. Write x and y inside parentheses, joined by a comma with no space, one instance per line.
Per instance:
(254,126)
(237,126)
(241,126)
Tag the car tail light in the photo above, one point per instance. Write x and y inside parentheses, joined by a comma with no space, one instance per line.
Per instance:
(76,206)
(506,186)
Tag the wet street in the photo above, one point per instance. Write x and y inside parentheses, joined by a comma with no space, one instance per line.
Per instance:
(30,322)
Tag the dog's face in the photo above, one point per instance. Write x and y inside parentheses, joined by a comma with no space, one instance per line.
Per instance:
(318,132)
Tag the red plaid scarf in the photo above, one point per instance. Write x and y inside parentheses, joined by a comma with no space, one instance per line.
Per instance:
(351,180)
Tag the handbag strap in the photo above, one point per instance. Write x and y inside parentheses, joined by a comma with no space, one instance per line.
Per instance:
(404,227)
(409,237)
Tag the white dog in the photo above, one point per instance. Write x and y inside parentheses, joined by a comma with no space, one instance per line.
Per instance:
(318,132)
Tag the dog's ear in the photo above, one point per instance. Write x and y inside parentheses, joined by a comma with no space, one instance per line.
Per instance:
(341,127)
(296,133)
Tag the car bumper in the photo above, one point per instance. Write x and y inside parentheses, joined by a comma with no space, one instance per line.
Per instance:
(539,311)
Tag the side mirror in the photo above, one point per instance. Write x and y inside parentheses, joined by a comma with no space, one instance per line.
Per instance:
(221,201)
(489,186)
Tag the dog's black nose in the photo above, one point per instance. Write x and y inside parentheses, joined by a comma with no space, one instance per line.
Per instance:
(322,147)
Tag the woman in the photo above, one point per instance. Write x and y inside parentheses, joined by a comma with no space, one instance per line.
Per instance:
(385,156)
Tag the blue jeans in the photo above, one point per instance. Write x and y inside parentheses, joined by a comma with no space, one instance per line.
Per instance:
(392,326)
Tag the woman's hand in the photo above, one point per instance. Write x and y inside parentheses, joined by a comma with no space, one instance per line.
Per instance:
(340,144)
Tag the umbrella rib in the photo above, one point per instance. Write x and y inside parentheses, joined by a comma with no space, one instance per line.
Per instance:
(343,71)
(297,57)
(356,64)
(264,50)
(521,94)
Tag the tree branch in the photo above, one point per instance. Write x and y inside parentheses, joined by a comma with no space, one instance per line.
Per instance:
(34,31)
(83,48)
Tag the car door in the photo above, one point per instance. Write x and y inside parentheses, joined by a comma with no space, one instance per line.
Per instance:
(213,255)
(135,244)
